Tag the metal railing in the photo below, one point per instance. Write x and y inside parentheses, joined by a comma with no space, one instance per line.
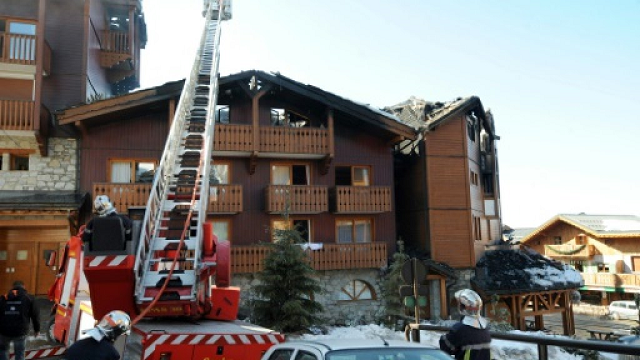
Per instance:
(412,333)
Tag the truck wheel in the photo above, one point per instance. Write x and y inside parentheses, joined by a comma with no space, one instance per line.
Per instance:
(615,316)
(50,326)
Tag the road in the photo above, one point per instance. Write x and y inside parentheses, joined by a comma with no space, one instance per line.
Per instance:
(584,323)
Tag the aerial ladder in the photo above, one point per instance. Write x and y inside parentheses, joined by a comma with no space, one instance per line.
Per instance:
(174,279)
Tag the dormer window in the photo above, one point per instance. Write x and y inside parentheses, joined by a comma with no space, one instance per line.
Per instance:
(283,117)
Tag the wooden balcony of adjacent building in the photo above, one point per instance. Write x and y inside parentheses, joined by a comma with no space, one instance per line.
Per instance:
(250,259)
(272,140)
(296,199)
(611,280)
(567,251)
(18,54)
(362,199)
(223,199)
(116,48)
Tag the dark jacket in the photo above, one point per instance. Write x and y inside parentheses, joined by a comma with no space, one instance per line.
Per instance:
(90,349)
(17,308)
(464,337)
(126,223)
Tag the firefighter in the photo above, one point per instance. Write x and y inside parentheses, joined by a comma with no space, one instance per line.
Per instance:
(469,339)
(99,343)
(17,309)
(103,207)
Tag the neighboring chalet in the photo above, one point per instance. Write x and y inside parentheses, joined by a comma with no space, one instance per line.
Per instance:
(278,144)
(604,248)
(447,185)
(53,54)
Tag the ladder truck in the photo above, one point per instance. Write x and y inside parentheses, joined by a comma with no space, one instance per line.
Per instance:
(174,278)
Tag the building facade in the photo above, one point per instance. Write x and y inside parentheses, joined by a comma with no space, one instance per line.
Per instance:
(53,54)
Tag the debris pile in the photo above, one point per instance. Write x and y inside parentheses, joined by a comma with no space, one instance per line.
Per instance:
(524,270)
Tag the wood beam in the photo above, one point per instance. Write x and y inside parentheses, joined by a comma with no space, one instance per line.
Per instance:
(34,223)
(18,151)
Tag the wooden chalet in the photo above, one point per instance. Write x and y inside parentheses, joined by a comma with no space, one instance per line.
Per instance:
(53,54)
(278,144)
(447,186)
(604,248)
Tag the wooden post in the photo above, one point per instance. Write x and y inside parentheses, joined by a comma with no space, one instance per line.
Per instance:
(131,33)
(443,299)
(39,60)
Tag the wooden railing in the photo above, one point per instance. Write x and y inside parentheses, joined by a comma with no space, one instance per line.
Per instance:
(363,199)
(302,199)
(250,259)
(281,139)
(115,42)
(611,280)
(123,196)
(16,114)
(569,251)
(233,137)
(18,49)
(225,199)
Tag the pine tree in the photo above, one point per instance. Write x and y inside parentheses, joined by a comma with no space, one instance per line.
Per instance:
(285,295)
(391,284)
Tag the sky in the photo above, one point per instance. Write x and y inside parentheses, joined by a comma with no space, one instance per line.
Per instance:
(562,78)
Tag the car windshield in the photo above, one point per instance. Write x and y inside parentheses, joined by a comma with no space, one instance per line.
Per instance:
(387,354)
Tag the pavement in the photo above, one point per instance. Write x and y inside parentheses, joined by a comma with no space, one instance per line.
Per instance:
(44,307)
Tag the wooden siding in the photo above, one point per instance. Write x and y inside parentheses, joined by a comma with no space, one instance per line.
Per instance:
(95,28)
(448,139)
(250,259)
(611,280)
(16,89)
(16,115)
(448,183)
(451,237)
(300,199)
(568,252)
(362,199)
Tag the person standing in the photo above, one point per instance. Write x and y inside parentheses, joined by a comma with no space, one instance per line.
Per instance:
(468,339)
(99,343)
(17,309)
(104,208)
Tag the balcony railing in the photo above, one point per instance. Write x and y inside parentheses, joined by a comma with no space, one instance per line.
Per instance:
(362,199)
(16,114)
(18,49)
(115,42)
(124,196)
(611,280)
(281,139)
(233,137)
(225,199)
(570,251)
(301,199)
(250,259)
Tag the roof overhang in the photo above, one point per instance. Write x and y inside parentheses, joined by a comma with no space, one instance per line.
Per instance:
(41,200)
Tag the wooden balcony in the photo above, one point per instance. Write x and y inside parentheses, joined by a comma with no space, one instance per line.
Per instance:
(362,199)
(289,140)
(124,196)
(611,280)
(249,259)
(115,48)
(225,199)
(18,49)
(301,199)
(17,115)
(570,251)
(233,138)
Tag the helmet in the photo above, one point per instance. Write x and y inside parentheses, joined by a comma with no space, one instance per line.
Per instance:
(114,324)
(469,305)
(103,205)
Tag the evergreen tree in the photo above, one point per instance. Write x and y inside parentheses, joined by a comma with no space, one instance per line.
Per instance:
(286,290)
(391,284)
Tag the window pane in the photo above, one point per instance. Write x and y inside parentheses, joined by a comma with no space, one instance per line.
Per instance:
(278,225)
(3,254)
(304,227)
(277,117)
(363,231)
(221,230)
(361,176)
(345,231)
(343,176)
(120,172)
(219,174)
(222,114)
(20,163)
(22,255)
(22,28)
(300,175)
(144,170)
(280,175)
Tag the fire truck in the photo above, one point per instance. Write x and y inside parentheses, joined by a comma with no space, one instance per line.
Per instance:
(174,278)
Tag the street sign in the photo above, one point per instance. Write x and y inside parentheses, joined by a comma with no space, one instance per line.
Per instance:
(414,269)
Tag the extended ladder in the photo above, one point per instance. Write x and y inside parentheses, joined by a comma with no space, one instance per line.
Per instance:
(180,192)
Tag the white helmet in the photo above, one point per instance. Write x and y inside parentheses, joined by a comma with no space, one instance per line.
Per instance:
(111,326)
(470,305)
(103,205)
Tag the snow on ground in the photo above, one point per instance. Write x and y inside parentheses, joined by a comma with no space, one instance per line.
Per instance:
(500,349)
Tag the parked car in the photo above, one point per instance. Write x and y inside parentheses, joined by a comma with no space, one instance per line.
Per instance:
(353,349)
(629,340)
(623,309)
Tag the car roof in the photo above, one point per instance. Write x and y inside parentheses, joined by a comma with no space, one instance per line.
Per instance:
(325,345)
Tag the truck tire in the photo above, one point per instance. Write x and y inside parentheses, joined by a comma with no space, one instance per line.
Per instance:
(49,329)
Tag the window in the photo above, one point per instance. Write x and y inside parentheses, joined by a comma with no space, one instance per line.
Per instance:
(488,184)
(223,114)
(281,354)
(221,229)
(477,231)
(305,355)
(357,290)
(472,123)
(20,47)
(219,174)
(290,174)
(353,175)
(131,171)
(283,117)
(302,225)
(354,231)
(557,240)
(19,162)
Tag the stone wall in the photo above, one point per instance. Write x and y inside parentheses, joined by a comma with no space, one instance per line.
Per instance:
(57,171)
(337,310)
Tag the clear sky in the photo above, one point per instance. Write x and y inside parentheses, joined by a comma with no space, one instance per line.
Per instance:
(562,78)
